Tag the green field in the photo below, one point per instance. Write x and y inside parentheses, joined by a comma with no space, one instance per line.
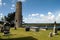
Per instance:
(21,34)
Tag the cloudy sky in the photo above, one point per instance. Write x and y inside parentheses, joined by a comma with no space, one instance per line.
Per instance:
(34,11)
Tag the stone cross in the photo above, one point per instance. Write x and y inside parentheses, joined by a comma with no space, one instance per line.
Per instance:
(54,29)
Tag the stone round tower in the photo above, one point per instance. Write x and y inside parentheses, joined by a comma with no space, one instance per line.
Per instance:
(18,14)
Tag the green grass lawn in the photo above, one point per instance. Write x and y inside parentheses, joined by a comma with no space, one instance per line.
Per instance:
(21,34)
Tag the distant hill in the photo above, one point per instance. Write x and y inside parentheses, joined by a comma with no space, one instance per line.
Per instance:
(41,24)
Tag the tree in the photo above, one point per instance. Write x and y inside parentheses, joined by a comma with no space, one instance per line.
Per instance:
(10,17)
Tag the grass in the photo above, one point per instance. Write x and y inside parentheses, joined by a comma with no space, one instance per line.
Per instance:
(21,34)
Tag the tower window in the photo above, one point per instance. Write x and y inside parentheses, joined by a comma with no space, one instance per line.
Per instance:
(16,20)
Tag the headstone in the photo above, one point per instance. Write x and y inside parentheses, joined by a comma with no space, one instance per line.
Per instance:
(2,30)
(27,28)
(50,34)
(6,28)
(54,29)
(46,27)
(37,29)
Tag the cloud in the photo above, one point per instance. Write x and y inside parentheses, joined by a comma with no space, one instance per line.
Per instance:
(49,13)
(13,6)
(22,0)
(58,18)
(13,1)
(36,14)
(49,18)
(0,2)
(59,15)
(4,4)
(41,15)
(1,16)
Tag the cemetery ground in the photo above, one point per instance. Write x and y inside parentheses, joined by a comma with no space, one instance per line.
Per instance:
(21,34)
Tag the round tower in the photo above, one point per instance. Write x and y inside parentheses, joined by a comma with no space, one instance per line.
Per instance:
(18,14)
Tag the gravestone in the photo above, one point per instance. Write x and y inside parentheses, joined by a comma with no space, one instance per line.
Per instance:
(54,29)
(27,28)
(46,27)
(2,30)
(50,34)
(37,29)
(6,28)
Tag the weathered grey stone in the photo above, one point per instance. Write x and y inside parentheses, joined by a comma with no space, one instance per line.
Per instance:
(55,29)
(37,29)
(46,27)
(18,15)
(27,28)
(50,34)
(6,28)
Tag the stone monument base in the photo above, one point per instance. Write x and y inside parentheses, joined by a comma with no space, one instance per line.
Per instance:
(55,33)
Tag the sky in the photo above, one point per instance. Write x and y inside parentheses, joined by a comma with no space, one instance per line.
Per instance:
(33,11)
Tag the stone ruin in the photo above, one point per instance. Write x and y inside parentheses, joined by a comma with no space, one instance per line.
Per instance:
(18,14)
(5,28)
